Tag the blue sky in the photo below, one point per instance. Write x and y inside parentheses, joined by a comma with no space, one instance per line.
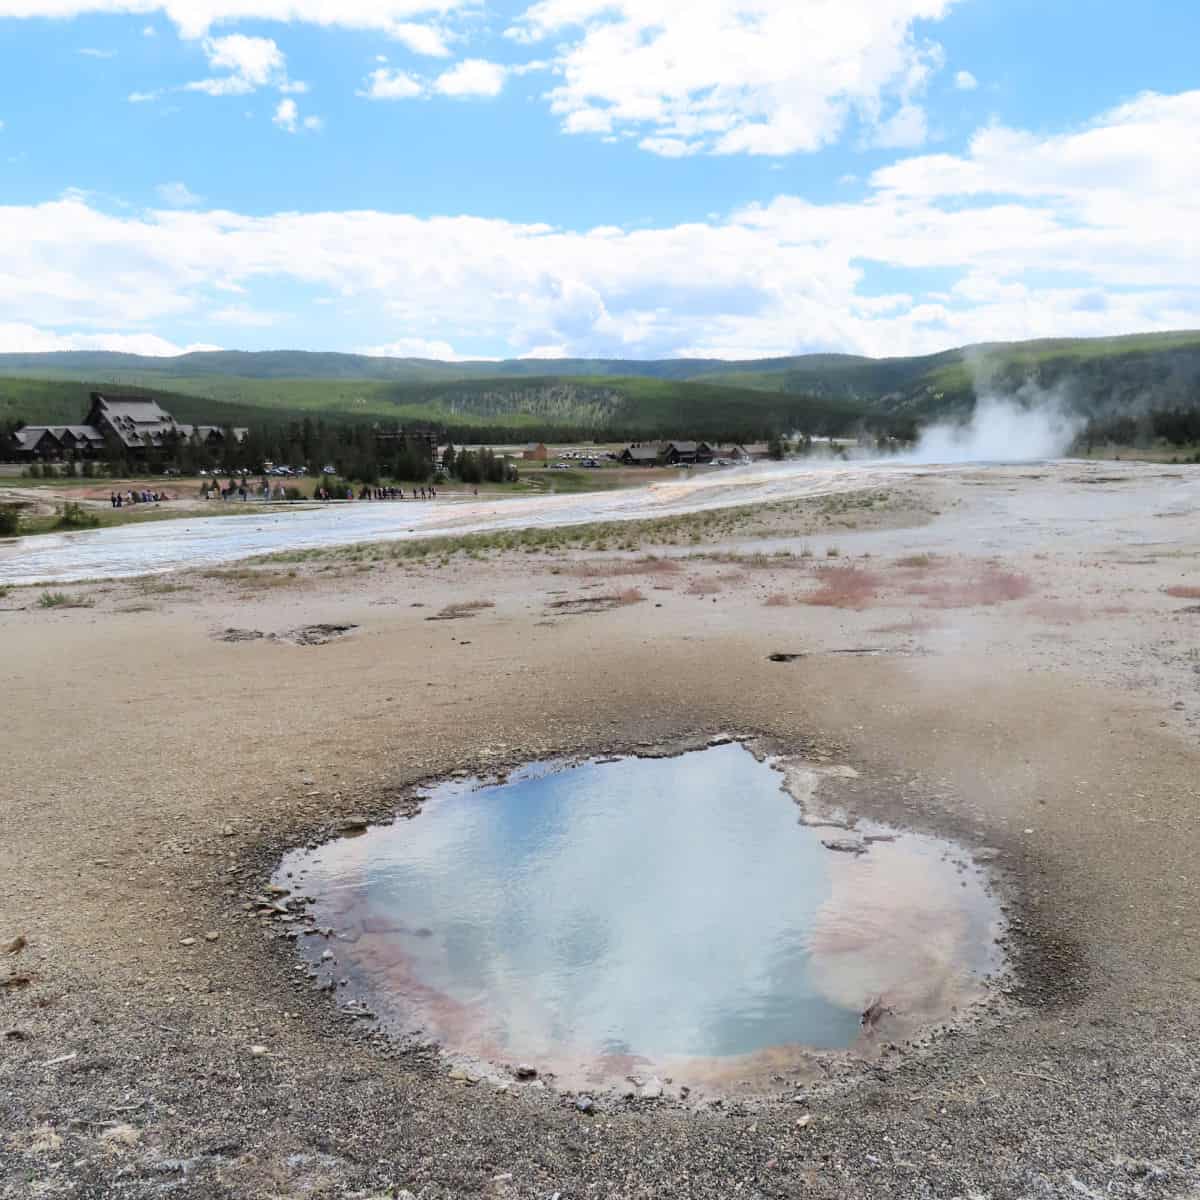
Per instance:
(632,178)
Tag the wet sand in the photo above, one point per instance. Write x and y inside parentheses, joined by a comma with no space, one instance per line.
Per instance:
(1032,689)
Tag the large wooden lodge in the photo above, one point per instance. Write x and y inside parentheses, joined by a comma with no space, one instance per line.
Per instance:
(132,426)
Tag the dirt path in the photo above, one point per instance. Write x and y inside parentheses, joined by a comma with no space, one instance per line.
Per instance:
(1039,699)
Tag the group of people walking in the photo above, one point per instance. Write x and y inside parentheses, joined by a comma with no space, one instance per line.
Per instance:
(396,493)
(120,499)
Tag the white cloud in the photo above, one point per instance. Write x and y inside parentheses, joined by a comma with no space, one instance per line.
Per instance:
(472,77)
(383,84)
(669,147)
(1077,233)
(149,31)
(965,81)
(93,52)
(194,18)
(421,39)
(252,62)
(287,114)
(143,97)
(904,129)
(178,195)
(414,348)
(287,117)
(772,77)
(27,339)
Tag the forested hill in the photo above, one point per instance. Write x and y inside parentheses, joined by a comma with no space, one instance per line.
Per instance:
(817,393)
(470,410)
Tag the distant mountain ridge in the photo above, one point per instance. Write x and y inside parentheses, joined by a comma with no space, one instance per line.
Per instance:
(823,372)
(817,393)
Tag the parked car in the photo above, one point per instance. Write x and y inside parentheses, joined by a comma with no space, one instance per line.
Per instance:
(328,470)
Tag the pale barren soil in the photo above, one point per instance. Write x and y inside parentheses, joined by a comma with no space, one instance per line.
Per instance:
(1033,687)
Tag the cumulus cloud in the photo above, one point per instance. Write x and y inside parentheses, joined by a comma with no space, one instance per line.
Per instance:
(195,18)
(421,39)
(27,339)
(965,81)
(1077,233)
(773,77)
(413,347)
(383,84)
(252,62)
(178,195)
(472,77)
(94,52)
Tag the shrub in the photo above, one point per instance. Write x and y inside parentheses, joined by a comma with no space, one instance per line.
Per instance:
(75,516)
(62,600)
(10,521)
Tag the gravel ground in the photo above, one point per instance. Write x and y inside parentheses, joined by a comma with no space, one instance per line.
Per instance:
(154,774)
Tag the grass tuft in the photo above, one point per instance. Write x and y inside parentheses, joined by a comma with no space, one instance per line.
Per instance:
(62,600)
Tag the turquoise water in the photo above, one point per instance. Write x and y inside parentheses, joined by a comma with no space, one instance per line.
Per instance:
(637,911)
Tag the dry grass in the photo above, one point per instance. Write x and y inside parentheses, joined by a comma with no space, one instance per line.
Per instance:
(154,586)
(778,600)
(461,610)
(916,562)
(844,587)
(252,580)
(1181,592)
(989,586)
(704,587)
(612,568)
(597,604)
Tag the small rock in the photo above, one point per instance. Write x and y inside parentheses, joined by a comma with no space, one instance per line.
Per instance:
(352,825)
(585,1104)
(326,955)
(652,1090)
(16,945)
(258,1051)
(211,936)
(274,889)
(227,831)
(804,1121)
(844,845)
(189,941)
(525,1071)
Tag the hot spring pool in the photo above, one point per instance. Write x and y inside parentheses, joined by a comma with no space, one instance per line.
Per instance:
(669,916)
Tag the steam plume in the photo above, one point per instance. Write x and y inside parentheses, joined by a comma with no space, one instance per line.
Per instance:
(1028,425)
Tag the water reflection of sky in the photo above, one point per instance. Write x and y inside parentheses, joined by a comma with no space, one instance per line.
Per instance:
(662,907)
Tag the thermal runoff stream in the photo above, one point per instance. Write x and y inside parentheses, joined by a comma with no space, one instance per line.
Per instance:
(163,546)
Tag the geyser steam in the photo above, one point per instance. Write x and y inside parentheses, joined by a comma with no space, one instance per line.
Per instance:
(1030,425)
